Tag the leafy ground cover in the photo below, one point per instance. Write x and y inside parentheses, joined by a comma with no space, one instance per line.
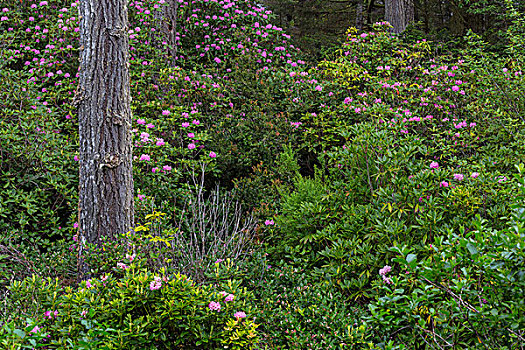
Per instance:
(373,199)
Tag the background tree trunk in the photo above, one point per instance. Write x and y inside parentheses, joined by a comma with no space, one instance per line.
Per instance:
(167,26)
(106,173)
(360,15)
(399,13)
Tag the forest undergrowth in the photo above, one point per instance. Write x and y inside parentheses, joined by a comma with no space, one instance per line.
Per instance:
(373,199)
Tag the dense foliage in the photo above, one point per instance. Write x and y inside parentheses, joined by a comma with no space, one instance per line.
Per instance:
(372,199)
(318,24)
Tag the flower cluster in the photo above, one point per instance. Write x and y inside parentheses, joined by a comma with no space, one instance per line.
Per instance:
(238,315)
(383,272)
(458,177)
(228,297)
(122,266)
(156,283)
(50,314)
(214,306)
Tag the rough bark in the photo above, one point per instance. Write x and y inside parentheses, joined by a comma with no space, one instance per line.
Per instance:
(167,27)
(104,112)
(360,15)
(399,13)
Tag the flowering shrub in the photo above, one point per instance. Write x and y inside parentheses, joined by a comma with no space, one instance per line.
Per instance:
(173,104)
(404,157)
(212,229)
(12,337)
(466,289)
(293,310)
(139,310)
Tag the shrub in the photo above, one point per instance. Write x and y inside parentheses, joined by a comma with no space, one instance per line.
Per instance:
(140,310)
(210,227)
(466,290)
(296,311)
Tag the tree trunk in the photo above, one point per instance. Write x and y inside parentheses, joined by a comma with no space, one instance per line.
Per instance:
(104,113)
(369,8)
(399,13)
(167,26)
(360,16)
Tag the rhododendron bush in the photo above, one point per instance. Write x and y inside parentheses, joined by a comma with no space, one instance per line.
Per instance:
(373,199)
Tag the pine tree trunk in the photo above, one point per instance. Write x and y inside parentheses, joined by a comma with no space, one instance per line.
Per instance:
(399,13)
(104,113)
(166,29)
(360,15)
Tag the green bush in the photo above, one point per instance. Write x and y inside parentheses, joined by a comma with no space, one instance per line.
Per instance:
(465,291)
(294,310)
(141,310)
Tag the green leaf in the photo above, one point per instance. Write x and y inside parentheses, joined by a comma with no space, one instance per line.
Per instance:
(20,333)
(472,248)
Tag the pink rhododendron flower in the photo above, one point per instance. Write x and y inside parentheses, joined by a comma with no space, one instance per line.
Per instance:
(383,272)
(214,306)
(144,137)
(213,154)
(156,283)
(386,269)
(474,175)
(122,266)
(458,177)
(239,315)
(434,165)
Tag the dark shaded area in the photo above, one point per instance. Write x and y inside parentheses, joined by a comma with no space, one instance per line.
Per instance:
(318,24)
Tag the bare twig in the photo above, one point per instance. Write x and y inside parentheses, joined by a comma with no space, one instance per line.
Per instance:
(211,226)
